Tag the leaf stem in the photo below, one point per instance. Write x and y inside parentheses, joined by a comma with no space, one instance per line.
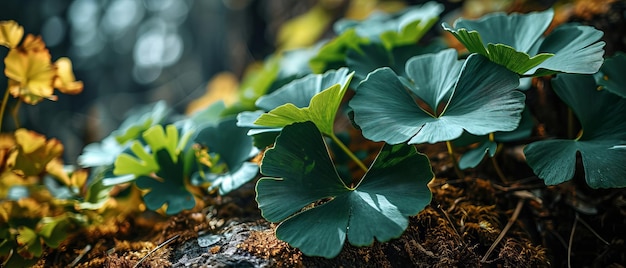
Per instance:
(494,162)
(348,152)
(15,115)
(455,163)
(3,107)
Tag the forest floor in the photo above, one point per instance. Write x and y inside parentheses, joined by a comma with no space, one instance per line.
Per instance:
(476,220)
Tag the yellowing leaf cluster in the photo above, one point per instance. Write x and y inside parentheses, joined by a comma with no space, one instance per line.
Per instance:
(31,73)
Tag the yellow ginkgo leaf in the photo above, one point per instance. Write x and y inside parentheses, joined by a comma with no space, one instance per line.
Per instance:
(223,86)
(55,168)
(65,80)
(10,33)
(33,43)
(30,74)
(33,153)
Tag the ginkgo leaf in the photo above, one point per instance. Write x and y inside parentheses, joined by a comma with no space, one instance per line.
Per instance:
(97,192)
(144,163)
(11,33)
(480,99)
(29,243)
(515,41)
(65,80)
(321,108)
(159,168)
(298,92)
(141,119)
(372,56)
(101,153)
(604,131)
(30,75)
(611,75)
(54,229)
(402,28)
(34,152)
(472,157)
(167,186)
(332,54)
(235,149)
(301,173)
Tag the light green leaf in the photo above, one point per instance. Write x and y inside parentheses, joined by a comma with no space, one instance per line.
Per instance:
(28,242)
(482,101)
(141,164)
(54,230)
(513,60)
(332,55)
(300,173)
(298,92)
(604,128)
(402,28)
(321,110)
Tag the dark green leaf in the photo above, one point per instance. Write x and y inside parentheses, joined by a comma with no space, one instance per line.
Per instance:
(473,157)
(612,74)
(300,173)
(482,100)
(374,55)
(234,148)
(604,131)
(167,187)
(516,41)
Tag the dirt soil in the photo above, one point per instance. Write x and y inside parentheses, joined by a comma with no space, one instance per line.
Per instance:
(476,220)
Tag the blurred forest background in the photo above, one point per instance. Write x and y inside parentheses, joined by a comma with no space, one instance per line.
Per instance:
(130,53)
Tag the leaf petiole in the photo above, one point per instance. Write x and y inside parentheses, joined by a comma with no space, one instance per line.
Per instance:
(348,152)
(5,99)
(455,163)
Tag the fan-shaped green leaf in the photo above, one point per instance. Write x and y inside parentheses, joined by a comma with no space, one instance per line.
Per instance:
(603,130)
(576,49)
(332,55)
(612,74)
(482,101)
(321,110)
(519,31)
(234,148)
(167,186)
(298,93)
(374,55)
(301,173)
(141,119)
(516,42)
(402,28)
(142,163)
(473,157)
